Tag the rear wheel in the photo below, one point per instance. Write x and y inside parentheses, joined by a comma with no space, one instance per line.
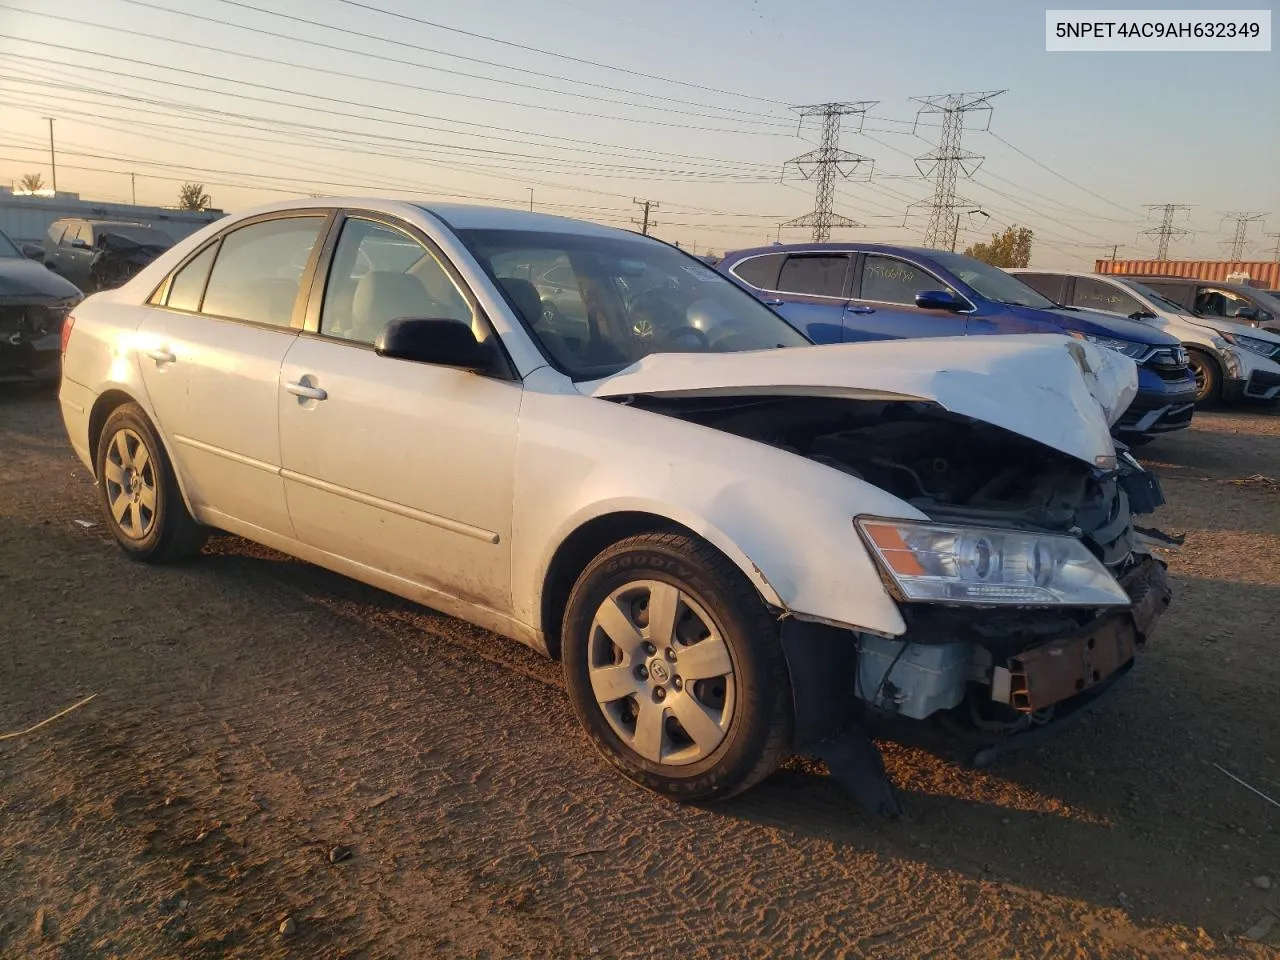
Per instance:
(141,502)
(1208,377)
(675,669)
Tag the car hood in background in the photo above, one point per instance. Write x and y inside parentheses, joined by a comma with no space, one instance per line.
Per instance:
(1222,325)
(21,277)
(1099,324)
(1060,392)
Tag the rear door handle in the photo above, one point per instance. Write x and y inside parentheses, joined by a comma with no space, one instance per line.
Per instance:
(853,309)
(161,355)
(306,390)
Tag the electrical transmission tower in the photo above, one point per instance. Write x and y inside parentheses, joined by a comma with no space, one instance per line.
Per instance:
(947,162)
(1166,231)
(645,223)
(822,165)
(1275,255)
(1242,218)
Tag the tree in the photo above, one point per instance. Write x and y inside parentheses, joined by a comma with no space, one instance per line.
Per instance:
(32,182)
(1009,249)
(193,197)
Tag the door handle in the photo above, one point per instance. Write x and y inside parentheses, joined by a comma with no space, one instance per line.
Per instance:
(161,355)
(306,391)
(853,309)
(772,303)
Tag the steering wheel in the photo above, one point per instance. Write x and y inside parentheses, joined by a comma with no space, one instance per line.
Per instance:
(671,336)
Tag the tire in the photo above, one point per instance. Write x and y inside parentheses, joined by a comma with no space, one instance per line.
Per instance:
(1208,378)
(141,502)
(740,718)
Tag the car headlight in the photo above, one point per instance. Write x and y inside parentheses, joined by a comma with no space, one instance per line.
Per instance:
(1263,348)
(1134,351)
(1218,342)
(939,563)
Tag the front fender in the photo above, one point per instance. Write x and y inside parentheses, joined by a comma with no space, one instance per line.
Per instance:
(785,521)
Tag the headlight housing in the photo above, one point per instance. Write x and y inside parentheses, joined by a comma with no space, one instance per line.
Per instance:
(1137,352)
(942,563)
(1264,348)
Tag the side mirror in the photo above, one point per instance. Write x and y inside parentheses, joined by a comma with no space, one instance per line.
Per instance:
(33,251)
(940,300)
(79,244)
(1247,313)
(446,343)
(1142,315)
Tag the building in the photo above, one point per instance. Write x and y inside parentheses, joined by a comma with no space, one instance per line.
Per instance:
(1256,273)
(26,218)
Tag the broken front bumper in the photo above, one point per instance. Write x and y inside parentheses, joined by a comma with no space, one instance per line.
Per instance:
(1045,675)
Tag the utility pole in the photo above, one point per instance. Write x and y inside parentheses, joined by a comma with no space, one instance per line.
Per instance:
(947,162)
(530,189)
(1166,231)
(646,223)
(955,227)
(1242,218)
(133,187)
(53,160)
(822,165)
(1276,253)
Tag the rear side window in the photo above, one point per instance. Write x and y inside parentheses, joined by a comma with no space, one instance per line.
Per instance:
(56,230)
(820,276)
(187,286)
(259,268)
(890,280)
(1099,295)
(760,272)
(1046,284)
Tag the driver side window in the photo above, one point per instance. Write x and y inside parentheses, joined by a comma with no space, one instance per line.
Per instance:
(1220,303)
(380,274)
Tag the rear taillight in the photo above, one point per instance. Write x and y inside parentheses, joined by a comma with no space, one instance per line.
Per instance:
(67,324)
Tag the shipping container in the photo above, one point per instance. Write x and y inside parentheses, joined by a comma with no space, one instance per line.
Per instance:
(26,219)
(1264,274)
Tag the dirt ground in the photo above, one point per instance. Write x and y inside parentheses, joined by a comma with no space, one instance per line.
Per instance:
(257,718)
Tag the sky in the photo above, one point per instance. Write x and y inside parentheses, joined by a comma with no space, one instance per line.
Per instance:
(583,106)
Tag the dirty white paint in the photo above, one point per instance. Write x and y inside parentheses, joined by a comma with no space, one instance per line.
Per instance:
(456,490)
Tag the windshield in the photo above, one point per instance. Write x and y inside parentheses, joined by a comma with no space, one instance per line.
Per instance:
(598,304)
(147,236)
(1164,303)
(7,248)
(992,282)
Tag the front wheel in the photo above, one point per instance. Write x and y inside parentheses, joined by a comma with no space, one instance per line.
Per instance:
(675,670)
(1208,377)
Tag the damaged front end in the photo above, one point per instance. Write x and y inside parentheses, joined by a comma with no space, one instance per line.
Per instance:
(117,258)
(1026,594)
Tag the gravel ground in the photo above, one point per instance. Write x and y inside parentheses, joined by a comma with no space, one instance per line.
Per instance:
(282,763)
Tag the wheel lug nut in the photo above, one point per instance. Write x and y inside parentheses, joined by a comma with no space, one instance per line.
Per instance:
(659,693)
(650,649)
(677,683)
(642,673)
(671,654)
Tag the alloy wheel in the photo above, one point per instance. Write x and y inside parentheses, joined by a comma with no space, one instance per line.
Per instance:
(661,672)
(130,479)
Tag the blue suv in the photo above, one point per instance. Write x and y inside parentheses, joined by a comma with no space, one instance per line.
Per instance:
(840,292)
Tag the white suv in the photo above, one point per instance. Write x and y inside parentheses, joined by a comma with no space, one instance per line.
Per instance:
(1231,361)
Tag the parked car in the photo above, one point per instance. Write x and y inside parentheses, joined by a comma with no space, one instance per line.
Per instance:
(730,546)
(1231,301)
(101,254)
(33,305)
(843,292)
(1230,361)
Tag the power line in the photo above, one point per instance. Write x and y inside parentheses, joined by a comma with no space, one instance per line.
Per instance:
(330,71)
(1276,236)
(1062,177)
(1242,218)
(822,165)
(548,53)
(646,223)
(949,160)
(1166,231)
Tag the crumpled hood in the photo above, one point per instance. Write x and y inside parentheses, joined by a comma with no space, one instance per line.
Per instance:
(21,277)
(1060,392)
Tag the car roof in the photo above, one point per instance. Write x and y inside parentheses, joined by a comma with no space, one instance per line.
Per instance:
(105,223)
(832,247)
